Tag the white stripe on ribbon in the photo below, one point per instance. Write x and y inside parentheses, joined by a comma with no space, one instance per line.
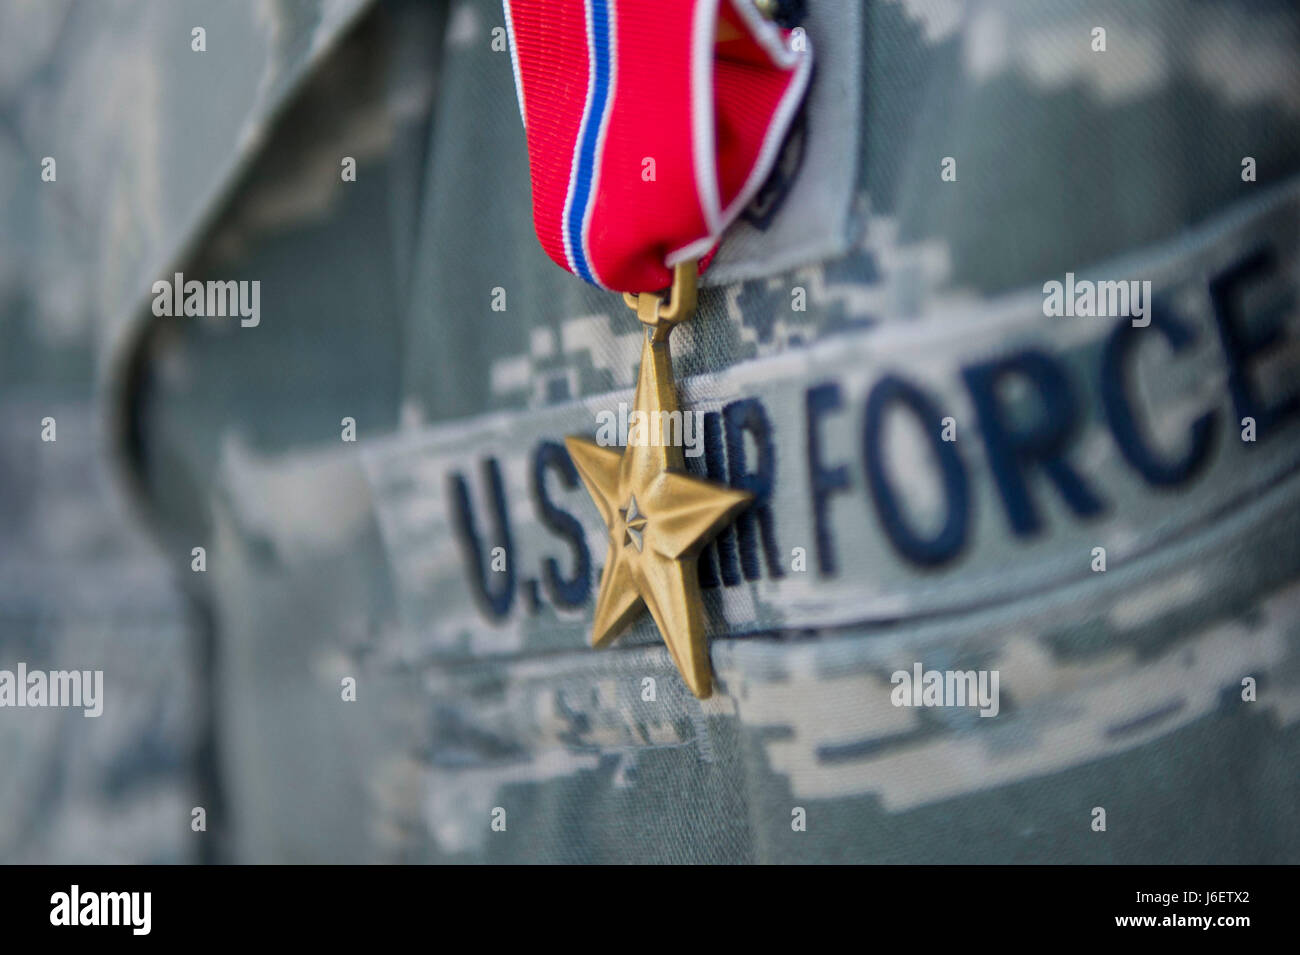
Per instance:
(598,155)
(514,62)
(705,159)
(577,142)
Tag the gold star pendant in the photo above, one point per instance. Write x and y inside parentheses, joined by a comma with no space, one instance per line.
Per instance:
(659,517)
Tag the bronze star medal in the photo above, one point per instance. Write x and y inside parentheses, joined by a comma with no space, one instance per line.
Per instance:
(659,517)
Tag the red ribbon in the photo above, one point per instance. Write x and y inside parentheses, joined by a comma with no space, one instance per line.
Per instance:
(650,124)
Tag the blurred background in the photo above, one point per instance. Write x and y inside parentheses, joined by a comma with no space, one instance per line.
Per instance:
(153,141)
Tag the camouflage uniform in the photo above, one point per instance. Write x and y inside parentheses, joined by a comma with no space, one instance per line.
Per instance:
(861,280)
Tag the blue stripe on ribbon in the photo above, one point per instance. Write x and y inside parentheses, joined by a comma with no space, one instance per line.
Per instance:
(590,133)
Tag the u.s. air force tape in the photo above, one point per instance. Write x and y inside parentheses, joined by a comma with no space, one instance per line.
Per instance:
(913,469)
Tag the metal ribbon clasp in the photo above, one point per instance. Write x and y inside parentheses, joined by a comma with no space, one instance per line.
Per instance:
(661,316)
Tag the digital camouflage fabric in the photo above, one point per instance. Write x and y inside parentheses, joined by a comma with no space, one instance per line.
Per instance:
(385,657)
